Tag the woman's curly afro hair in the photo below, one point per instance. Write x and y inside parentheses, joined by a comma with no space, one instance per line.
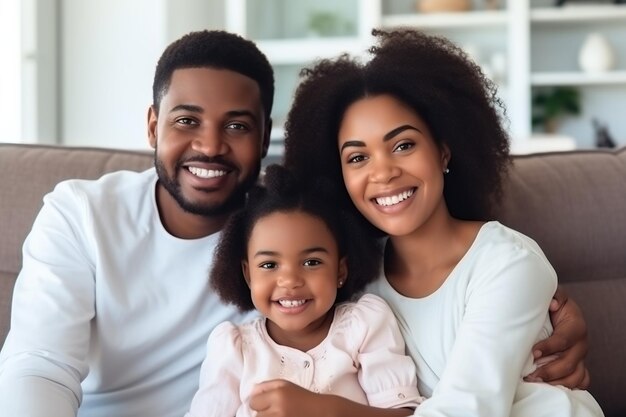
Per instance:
(436,79)
(281,192)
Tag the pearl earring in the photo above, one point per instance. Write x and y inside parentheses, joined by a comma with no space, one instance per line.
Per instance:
(445,171)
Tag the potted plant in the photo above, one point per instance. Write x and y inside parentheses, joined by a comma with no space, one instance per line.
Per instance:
(550,106)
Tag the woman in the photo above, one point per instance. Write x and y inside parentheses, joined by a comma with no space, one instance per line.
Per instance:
(415,135)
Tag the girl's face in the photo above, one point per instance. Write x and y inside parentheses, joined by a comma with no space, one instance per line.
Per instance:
(392,167)
(293,270)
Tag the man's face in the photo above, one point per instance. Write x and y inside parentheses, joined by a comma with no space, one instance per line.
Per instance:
(209,137)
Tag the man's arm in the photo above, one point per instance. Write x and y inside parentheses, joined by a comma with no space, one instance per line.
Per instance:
(44,357)
(567,344)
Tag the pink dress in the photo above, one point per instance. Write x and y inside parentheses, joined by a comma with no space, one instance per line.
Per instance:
(362,358)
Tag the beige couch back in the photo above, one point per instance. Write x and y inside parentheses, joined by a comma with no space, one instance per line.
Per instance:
(573,204)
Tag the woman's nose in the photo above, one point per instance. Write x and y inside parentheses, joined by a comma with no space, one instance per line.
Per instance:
(383,169)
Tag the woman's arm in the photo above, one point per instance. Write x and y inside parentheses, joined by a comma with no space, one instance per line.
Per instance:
(568,344)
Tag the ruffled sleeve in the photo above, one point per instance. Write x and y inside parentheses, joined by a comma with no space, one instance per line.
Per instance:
(386,373)
(220,375)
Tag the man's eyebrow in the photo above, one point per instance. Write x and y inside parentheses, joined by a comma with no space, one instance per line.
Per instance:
(389,135)
(245,113)
(187,107)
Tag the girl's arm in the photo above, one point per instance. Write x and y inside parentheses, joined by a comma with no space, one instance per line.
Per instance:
(280,398)
(220,375)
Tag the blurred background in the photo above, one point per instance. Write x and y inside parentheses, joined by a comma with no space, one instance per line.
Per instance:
(79,72)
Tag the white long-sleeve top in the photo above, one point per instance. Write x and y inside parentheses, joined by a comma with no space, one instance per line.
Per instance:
(110,311)
(472,338)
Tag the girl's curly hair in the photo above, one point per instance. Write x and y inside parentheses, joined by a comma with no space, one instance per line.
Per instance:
(281,192)
(433,77)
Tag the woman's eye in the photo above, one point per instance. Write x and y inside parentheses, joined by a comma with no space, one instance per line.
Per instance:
(404,146)
(356,159)
(268,265)
(312,262)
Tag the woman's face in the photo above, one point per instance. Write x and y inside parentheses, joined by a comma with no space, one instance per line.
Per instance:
(391,165)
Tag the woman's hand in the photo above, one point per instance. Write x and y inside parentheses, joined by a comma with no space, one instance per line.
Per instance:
(567,344)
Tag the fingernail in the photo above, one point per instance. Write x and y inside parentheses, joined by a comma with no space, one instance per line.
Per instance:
(536,354)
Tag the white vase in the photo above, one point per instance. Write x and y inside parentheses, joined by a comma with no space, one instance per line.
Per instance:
(596,54)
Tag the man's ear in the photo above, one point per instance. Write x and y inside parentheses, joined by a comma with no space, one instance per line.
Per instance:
(152,126)
(267,136)
(342,273)
(246,272)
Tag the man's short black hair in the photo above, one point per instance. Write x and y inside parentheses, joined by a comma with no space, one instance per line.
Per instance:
(215,49)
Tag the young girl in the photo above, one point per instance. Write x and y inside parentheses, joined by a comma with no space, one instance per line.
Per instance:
(294,257)
(415,136)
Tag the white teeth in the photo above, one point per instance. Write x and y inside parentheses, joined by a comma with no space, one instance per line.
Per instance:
(206,173)
(390,201)
(291,303)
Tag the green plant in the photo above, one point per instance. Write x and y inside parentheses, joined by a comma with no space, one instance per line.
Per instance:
(549,106)
(323,23)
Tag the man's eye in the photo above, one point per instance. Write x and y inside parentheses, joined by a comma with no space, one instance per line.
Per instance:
(186,121)
(236,126)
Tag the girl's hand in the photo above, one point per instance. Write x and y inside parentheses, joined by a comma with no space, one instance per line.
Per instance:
(280,398)
(568,344)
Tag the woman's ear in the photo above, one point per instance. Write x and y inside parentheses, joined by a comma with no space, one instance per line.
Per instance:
(342,273)
(246,272)
(445,156)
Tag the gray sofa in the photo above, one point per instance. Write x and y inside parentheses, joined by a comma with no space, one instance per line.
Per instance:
(573,204)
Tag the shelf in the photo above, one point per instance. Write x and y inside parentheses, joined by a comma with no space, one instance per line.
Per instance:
(460,20)
(577,78)
(578,14)
(303,51)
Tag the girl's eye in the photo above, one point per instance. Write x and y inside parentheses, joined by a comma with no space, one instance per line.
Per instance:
(312,262)
(405,146)
(268,265)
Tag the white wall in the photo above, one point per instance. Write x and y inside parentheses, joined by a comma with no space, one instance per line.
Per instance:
(10,71)
(109,51)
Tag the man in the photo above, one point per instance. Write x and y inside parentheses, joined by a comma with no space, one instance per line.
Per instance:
(112,309)
(113,290)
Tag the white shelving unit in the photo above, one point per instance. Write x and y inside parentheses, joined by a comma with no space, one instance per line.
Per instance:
(520,31)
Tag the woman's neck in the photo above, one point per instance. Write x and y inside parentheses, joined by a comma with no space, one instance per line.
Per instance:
(416,265)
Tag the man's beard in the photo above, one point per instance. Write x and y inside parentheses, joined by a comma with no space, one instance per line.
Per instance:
(232,203)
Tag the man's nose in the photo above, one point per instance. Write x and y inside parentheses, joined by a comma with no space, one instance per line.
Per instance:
(210,142)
